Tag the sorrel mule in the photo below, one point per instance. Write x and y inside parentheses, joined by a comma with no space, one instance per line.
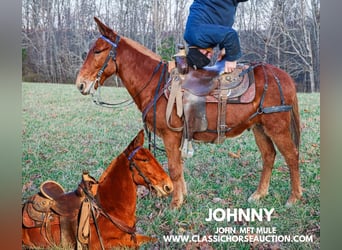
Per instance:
(143,74)
(114,203)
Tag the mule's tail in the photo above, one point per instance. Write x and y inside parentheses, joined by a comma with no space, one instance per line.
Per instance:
(295,122)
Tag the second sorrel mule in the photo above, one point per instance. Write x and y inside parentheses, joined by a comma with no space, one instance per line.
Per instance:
(116,198)
(142,73)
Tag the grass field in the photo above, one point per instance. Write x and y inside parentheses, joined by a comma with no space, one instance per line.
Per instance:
(64,133)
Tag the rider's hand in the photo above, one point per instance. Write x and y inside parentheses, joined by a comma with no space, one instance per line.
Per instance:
(229,67)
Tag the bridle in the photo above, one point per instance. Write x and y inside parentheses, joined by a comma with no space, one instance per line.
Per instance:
(111,55)
(96,84)
(132,165)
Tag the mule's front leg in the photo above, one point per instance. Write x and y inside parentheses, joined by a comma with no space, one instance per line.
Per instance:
(175,165)
(142,239)
(179,185)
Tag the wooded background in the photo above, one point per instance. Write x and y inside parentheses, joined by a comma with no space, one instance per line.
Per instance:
(56,33)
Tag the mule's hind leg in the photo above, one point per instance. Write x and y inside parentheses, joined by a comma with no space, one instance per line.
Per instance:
(268,153)
(290,152)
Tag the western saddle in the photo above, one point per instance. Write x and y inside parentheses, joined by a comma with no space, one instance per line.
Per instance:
(52,206)
(191,89)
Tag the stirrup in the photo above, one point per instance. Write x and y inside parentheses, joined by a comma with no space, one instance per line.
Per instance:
(187,149)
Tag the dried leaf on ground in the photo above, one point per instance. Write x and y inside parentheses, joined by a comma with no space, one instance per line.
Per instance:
(236,155)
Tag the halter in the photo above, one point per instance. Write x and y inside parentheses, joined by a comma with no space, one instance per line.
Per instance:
(132,165)
(111,55)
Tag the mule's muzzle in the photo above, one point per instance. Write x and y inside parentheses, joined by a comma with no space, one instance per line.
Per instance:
(168,189)
(163,190)
(85,87)
(81,87)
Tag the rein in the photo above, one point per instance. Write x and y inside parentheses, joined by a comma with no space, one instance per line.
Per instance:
(112,55)
(96,208)
(153,103)
(97,97)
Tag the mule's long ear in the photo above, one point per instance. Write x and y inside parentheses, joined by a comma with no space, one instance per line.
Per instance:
(104,30)
(139,139)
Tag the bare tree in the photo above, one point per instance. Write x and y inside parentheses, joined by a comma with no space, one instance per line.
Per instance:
(284,33)
(56,33)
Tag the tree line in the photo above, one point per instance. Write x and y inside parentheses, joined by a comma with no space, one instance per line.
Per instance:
(57,33)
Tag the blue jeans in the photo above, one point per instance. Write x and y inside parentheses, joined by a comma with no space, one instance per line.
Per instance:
(210,35)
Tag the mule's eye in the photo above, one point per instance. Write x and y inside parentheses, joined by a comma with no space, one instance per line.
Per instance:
(98,51)
(142,159)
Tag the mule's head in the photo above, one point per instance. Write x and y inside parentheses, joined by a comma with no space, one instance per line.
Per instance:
(100,62)
(146,169)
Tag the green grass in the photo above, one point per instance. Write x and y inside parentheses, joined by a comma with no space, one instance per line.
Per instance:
(65,133)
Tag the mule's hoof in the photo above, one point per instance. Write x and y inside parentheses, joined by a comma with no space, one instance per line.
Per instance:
(251,199)
(176,204)
(291,201)
(288,204)
(255,197)
(184,190)
(294,198)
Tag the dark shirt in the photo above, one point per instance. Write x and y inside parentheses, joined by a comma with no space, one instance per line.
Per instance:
(210,24)
(220,12)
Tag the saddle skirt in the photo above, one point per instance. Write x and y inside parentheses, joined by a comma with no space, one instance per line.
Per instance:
(193,90)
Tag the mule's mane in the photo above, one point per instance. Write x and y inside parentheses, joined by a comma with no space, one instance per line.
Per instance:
(109,169)
(141,48)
